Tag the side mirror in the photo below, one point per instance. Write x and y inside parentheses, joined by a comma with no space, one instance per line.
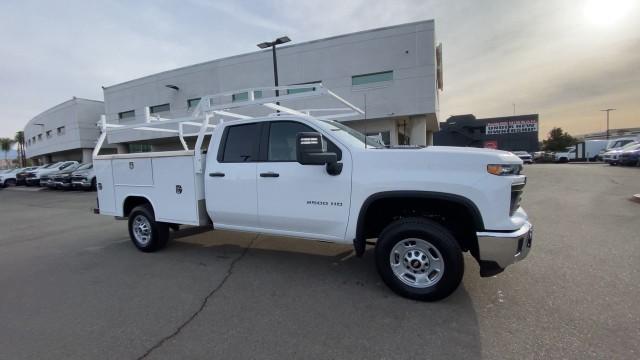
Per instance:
(311,149)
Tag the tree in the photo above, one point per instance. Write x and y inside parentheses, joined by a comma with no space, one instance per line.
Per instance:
(5,145)
(558,140)
(19,139)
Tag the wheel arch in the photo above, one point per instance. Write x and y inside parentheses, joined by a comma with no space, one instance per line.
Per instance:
(131,201)
(421,196)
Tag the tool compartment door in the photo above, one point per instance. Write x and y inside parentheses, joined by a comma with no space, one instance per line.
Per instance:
(176,196)
(104,183)
(132,171)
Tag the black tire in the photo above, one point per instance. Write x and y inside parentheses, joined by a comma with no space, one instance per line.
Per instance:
(440,238)
(10,182)
(158,234)
(93,186)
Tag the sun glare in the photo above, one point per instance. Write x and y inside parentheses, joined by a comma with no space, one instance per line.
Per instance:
(606,12)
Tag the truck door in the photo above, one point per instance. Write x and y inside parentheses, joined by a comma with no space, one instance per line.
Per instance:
(230,179)
(300,200)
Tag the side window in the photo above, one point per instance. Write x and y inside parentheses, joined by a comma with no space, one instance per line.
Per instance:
(241,143)
(282,141)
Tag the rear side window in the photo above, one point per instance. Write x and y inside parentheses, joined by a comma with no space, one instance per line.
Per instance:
(241,143)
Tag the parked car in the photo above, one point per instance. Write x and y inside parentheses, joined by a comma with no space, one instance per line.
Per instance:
(8,177)
(611,157)
(84,178)
(617,144)
(630,156)
(565,156)
(21,176)
(538,156)
(34,177)
(62,179)
(524,156)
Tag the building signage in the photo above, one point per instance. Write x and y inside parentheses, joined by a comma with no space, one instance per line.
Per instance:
(511,127)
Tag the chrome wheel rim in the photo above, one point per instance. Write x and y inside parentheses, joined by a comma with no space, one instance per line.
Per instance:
(142,229)
(416,262)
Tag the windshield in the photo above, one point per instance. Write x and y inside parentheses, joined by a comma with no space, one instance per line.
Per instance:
(85,166)
(66,166)
(620,143)
(50,165)
(350,135)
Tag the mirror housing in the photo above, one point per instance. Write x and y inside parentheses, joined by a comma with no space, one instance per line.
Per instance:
(311,149)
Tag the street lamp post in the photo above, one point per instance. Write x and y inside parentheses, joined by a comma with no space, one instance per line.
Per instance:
(272,45)
(608,111)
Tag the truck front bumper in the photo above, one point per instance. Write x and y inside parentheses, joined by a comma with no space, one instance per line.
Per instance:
(497,250)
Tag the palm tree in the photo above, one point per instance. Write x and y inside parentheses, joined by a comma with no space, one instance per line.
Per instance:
(5,145)
(19,139)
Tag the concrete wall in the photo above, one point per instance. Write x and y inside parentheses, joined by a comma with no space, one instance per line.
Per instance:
(77,116)
(407,50)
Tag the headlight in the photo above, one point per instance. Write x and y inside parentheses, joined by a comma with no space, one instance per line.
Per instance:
(65,175)
(504,170)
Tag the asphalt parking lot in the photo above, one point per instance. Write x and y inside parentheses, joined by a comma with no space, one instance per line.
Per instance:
(72,286)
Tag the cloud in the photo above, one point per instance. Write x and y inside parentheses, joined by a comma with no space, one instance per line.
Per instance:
(543,56)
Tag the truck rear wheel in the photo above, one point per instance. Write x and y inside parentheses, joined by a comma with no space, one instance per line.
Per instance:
(419,259)
(146,233)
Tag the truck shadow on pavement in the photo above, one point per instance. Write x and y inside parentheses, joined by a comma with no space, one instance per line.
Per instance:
(294,297)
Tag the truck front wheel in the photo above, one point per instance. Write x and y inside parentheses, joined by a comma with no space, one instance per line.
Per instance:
(147,234)
(419,259)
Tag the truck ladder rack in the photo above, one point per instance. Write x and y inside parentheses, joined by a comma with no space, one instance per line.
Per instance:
(218,105)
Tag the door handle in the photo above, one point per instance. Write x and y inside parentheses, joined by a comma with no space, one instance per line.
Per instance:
(269,174)
(216,174)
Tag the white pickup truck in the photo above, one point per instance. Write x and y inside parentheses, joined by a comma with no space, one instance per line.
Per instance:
(296,174)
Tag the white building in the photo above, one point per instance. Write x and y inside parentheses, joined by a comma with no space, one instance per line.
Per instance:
(394,67)
(67,131)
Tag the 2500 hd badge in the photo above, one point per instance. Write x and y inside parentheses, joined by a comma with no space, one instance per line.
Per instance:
(324,203)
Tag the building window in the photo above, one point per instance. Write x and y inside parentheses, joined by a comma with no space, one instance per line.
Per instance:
(371,78)
(127,115)
(29,142)
(48,134)
(39,137)
(34,139)
(301,90)
(191,103)
(61,130)
(159,108)
(244,96)
(139,148)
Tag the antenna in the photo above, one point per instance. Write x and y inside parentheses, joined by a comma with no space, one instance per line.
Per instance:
(365,120)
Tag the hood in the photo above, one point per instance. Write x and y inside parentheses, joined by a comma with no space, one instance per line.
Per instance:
(82,172)
(60,172)
(499,156)
(440,158)
(613,152)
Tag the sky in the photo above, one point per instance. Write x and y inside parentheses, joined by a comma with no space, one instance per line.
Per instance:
(564,60)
